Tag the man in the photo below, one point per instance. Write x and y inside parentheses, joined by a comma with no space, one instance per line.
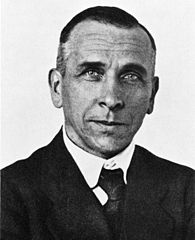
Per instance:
(91,181)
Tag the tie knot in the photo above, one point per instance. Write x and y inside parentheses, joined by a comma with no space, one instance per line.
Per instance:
(112,182)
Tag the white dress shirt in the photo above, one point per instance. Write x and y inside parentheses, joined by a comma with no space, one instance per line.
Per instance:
(91,165)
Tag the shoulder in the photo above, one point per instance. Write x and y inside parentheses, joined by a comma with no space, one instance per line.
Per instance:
(163,169)
(36,164)
(24,170)
(160,163)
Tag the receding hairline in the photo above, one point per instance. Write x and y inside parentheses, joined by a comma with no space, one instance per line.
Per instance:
(104,14)
(84,23)
(76,35)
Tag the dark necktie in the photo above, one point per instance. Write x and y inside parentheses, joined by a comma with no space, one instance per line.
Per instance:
(112,182)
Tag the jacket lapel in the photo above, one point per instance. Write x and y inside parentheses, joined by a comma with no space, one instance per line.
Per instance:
(145,217)
(76,213)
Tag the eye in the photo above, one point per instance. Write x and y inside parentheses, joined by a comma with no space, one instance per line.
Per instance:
(93,75)
(131,77)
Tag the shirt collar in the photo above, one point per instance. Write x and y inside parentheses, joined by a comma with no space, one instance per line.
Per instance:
(91,165)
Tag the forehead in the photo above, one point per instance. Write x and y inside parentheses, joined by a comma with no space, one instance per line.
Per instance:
(92,38)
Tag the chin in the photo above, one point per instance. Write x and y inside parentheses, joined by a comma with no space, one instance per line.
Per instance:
(108,149)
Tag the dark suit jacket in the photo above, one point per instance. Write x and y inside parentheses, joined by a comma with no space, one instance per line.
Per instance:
(46,197)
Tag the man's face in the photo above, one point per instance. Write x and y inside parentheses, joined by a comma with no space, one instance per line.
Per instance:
(107,87)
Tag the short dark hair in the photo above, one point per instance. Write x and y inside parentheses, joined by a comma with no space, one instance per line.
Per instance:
(103,14)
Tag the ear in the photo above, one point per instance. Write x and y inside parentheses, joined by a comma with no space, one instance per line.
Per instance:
(155,86)
(55,84)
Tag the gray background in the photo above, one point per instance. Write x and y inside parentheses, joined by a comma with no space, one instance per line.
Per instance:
(30,33)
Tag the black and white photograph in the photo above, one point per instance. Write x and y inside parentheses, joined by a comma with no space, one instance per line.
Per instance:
(97,120)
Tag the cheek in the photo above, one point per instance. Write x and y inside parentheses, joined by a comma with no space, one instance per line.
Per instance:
(77,100)
(136,108)
(138,100)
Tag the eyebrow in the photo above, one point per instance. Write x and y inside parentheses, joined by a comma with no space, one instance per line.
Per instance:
(95,64)
(127,67)
(133,66)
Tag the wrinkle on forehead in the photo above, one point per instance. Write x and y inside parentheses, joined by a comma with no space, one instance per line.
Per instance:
(109,39)
(110,42)
(112,45)
(103,45)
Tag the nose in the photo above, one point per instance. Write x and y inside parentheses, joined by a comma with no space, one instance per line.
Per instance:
(111,96)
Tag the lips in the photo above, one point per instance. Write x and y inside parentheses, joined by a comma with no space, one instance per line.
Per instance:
(108,123)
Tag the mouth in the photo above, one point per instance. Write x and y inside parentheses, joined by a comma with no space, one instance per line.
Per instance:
(108,123)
